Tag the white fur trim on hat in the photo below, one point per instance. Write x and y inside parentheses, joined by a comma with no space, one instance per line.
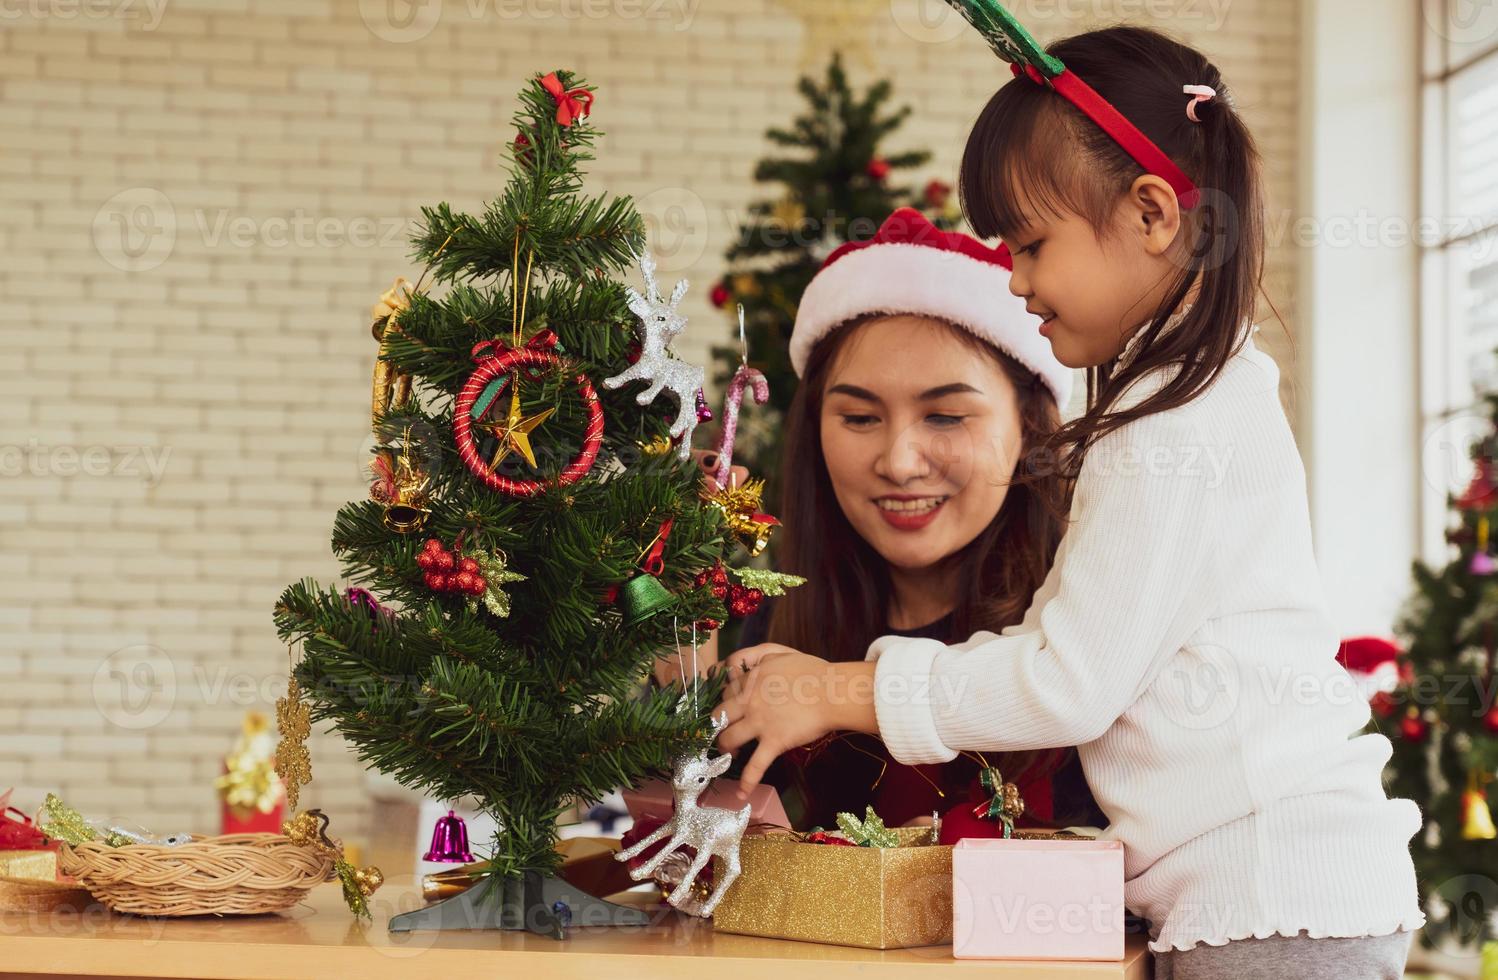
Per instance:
(896,277)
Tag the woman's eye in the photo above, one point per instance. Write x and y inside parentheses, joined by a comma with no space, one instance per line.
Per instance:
(858,421)
(945,421)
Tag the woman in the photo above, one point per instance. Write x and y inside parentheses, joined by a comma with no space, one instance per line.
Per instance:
(924,385)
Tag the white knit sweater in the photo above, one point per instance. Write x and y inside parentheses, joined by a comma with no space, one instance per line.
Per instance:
(1181,642)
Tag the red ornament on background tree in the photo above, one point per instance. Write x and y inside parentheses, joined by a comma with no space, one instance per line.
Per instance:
(936,194)
(878,168)
(720,295)
(1480,494)
(1490,720)
(1414,728)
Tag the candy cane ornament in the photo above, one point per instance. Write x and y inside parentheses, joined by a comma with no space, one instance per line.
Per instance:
(744,377)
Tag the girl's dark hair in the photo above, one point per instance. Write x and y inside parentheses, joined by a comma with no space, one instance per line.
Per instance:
(1033,152)
(846,598)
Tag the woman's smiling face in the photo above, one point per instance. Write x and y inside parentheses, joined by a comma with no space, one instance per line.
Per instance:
(920,435)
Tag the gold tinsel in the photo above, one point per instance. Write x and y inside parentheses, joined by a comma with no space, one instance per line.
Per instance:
(62,822)
(391,389)
(740,506)
(293,763)
(310,829)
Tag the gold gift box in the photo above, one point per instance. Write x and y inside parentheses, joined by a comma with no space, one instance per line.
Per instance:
(29,865)
(875,897)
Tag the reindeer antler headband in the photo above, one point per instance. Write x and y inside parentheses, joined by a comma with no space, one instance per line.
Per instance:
(1026,57)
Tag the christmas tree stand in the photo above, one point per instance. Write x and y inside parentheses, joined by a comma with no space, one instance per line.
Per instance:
(546,905)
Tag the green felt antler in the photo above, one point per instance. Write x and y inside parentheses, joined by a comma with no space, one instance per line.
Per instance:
(1008,39)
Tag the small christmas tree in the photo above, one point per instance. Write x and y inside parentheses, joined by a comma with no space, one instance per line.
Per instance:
(837,187)
(1442,719)
(540,536)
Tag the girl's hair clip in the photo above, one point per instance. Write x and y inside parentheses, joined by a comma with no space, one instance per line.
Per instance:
(1203,93)
(1011,42)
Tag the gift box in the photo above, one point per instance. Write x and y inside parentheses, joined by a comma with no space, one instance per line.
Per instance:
(29,865)
(588,864)
(242,820)
(1038,898)
(875,897)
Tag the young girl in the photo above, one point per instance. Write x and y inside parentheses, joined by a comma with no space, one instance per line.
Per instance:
(1180,639)
(919,391)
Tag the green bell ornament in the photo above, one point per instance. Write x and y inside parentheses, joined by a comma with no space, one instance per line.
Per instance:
(644,595)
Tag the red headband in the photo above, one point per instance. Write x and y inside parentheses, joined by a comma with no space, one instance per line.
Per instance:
(1154,160)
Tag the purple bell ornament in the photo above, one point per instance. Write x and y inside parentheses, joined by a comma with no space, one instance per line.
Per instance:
(449,841)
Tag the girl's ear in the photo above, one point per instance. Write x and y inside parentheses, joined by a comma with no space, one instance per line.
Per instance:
(1153,213)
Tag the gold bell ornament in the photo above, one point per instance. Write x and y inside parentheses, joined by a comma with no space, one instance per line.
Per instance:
(1477,819)
(402,486)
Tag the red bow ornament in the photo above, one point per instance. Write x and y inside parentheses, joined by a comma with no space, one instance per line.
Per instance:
(572,104)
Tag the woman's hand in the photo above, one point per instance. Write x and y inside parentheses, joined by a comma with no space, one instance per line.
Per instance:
(784,698)
(707,462)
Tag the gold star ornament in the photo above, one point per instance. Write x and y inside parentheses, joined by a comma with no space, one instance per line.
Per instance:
(514,431)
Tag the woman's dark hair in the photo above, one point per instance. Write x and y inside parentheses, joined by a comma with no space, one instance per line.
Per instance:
(846,598)
(1033,152)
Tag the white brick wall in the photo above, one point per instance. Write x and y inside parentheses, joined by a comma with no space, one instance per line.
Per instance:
(198,204)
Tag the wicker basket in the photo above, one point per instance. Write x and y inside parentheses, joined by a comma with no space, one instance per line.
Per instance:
(236,874)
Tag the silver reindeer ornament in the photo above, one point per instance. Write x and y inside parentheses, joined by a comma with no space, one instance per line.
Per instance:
(660,323)
(710,830)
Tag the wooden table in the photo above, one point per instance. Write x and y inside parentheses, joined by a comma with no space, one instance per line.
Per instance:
(321,939)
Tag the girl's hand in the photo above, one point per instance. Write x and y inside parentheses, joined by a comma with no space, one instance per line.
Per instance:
(779,697)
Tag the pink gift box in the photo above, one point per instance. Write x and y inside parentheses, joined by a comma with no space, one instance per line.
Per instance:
(655,799)
(1050,899)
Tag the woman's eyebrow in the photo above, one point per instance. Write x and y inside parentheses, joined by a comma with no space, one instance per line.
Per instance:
(856,392)
(930,394)
(956,388)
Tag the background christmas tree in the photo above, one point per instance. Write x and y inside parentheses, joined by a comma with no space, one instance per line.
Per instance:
(509,669)
(835,186)
(1441,717)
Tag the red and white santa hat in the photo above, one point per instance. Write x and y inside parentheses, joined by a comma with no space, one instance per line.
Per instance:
(911,266)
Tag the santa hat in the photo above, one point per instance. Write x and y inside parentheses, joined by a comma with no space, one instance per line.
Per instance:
(911,266)
(1373,663)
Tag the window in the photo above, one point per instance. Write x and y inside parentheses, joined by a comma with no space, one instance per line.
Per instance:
(1458,236)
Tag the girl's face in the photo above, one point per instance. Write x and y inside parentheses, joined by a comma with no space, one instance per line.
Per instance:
(920,435)
(1094,290)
